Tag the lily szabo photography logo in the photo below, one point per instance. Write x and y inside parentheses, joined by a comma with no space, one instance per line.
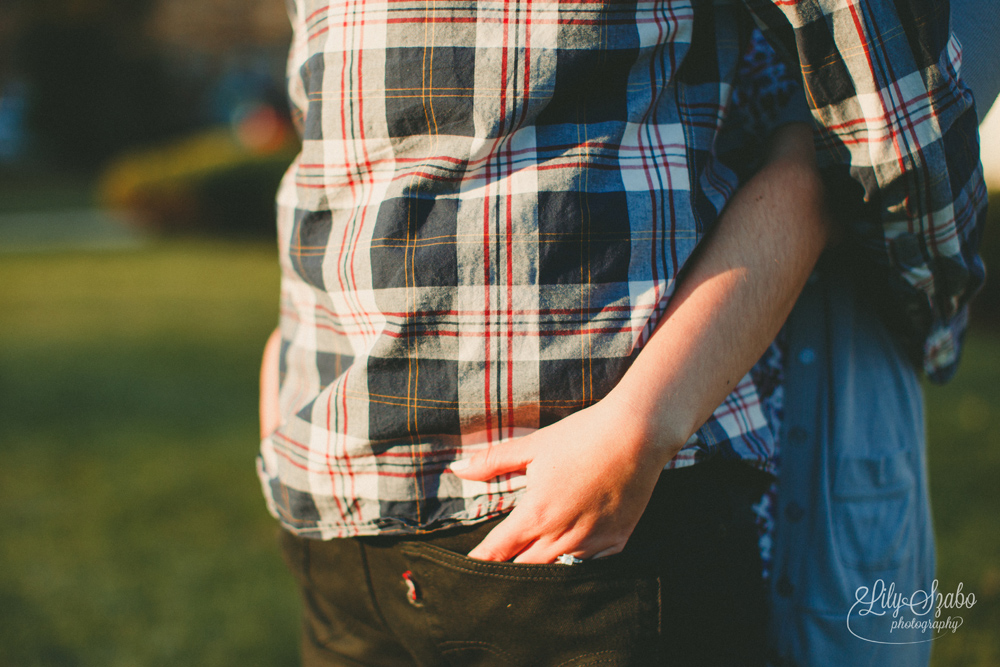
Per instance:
(881,614)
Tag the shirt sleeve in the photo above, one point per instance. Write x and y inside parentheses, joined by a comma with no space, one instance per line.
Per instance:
(896,131)
(767,94)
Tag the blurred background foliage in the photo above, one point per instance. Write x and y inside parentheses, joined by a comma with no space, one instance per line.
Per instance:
(170,112)
(141,143)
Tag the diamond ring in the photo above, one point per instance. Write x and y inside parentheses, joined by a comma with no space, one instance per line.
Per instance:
(568,559)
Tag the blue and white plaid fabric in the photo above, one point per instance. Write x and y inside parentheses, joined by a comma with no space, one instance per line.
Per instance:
(490,210)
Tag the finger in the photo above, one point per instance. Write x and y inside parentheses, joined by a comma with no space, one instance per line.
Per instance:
(610,551)
(509,538)
(546,551)
(510,456)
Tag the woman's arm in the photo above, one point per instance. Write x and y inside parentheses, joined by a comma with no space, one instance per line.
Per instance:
(590,475)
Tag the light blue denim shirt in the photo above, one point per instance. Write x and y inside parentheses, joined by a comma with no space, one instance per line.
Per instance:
(852,504)
(976,23)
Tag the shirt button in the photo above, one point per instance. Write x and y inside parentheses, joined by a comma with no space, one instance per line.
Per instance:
(797,435)
(807,355)
(794,511)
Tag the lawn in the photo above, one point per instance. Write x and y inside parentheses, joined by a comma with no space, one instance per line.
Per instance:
(132,530)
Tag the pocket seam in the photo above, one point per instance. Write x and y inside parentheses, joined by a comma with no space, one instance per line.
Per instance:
(851,484)
(512,571)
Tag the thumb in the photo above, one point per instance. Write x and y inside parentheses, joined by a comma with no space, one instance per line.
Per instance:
(510,456)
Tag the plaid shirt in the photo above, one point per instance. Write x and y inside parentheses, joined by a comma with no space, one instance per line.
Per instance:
(493,202)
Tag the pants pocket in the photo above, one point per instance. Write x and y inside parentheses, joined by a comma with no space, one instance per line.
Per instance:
(875,498)
(601,612)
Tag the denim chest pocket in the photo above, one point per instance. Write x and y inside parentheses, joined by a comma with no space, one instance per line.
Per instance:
(875,498)
(498,614)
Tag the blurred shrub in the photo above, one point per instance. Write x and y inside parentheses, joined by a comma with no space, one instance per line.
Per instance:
(217,181)
(94,84)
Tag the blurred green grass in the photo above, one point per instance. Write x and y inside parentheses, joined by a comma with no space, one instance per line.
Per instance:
(963,422)
(132,530)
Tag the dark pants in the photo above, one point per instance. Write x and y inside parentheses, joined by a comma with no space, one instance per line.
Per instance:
(686,591)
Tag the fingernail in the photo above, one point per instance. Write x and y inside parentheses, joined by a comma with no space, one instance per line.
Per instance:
(459,466)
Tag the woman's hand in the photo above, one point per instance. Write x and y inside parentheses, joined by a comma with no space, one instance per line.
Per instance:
(589,479)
